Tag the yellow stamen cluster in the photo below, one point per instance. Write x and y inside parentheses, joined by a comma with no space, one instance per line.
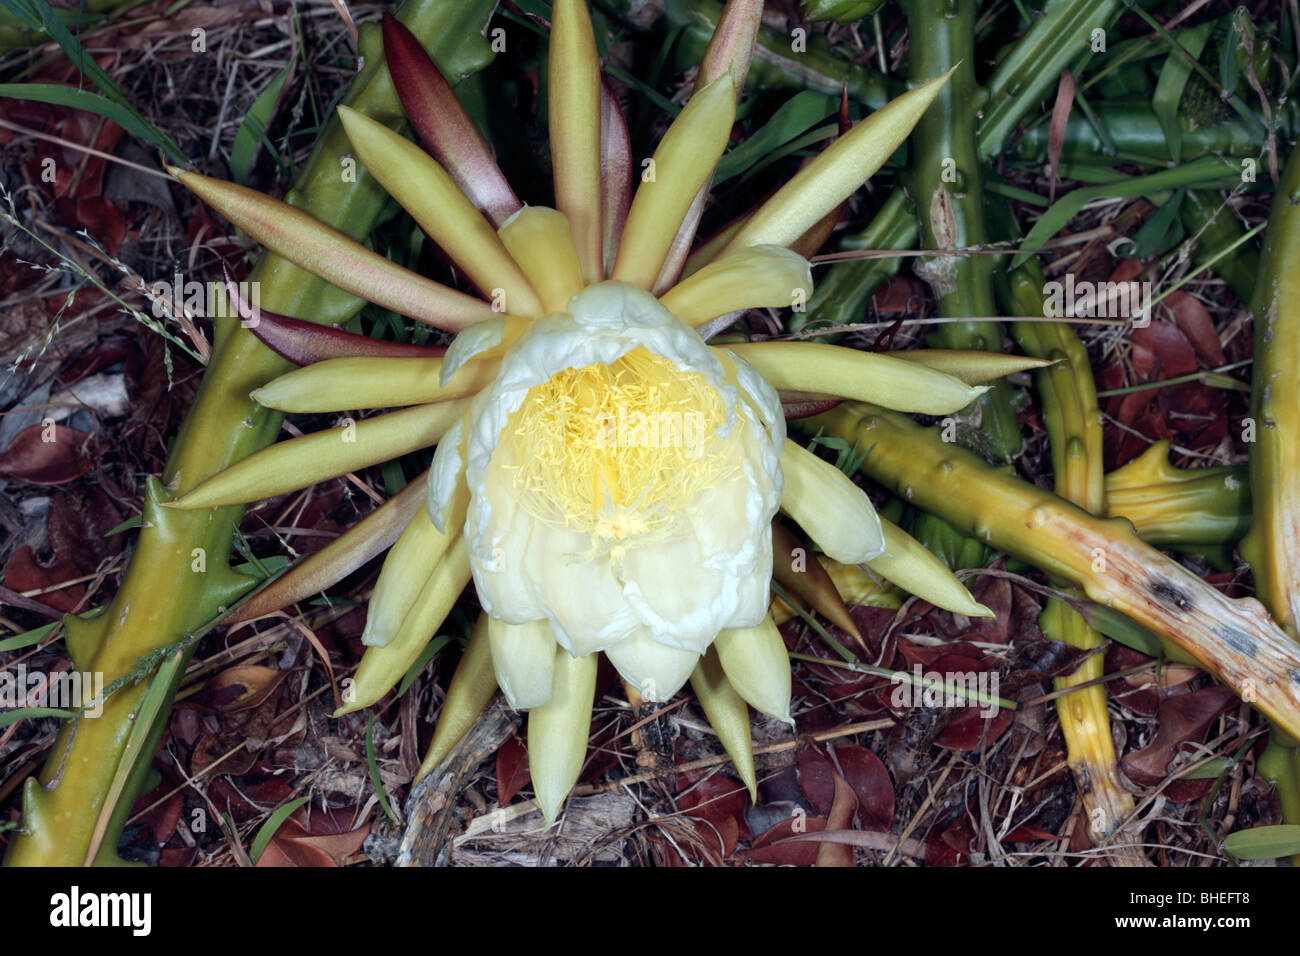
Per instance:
(618,451)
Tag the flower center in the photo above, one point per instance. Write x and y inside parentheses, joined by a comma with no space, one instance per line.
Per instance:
(619,451)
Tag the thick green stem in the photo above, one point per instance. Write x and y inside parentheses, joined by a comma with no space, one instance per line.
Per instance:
(178,577)
(946,183)
(1132,126)
(1272,546)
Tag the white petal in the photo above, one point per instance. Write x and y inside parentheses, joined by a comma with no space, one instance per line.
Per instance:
(582,599)
(445,474)
(469,342)
(655,670)
(681,602)
(523,657)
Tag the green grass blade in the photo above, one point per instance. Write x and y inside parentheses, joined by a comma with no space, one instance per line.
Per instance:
(272,824)
(1173,79)
(39,15)
(123,116)
(22,713)
(797,115)
(1207,169)
(28,638)
(374,769)
(252,131)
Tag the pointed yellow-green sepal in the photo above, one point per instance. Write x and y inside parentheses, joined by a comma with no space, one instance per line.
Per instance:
(729,51)
(972,367)
(558,731)
(616,175)
(804,576)
(324,251)
(424,189)
(523,659)
(470,690)
(825,502)
(731,47)
(322,569)
(915,568)
(755,277)
(838,172)
(573,106)
(858,586)
(382,667)
(728,714)
(339,384)
(302,462)
(540,240)
(855,374)
(681,165)
(405,573)
(757,666)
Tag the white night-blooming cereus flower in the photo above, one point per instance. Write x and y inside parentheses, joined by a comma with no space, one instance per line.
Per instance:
(606,478)
(622,484)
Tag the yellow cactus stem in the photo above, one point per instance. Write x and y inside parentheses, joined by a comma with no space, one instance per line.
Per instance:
(382,667)
(523,659)
(306,241)
(1073,422)
(573,80)
(1090,749)
(310,459)
(540,240)
(750,278)
(403,577)
(757,666)
(851,373)
(728,715)
(470,690)
(824,501)
(837,172)
(681,165)
(969,365)
(1235,640)
(424,189)
(558,730)
(1170,505)
(337,385)
(915,568)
